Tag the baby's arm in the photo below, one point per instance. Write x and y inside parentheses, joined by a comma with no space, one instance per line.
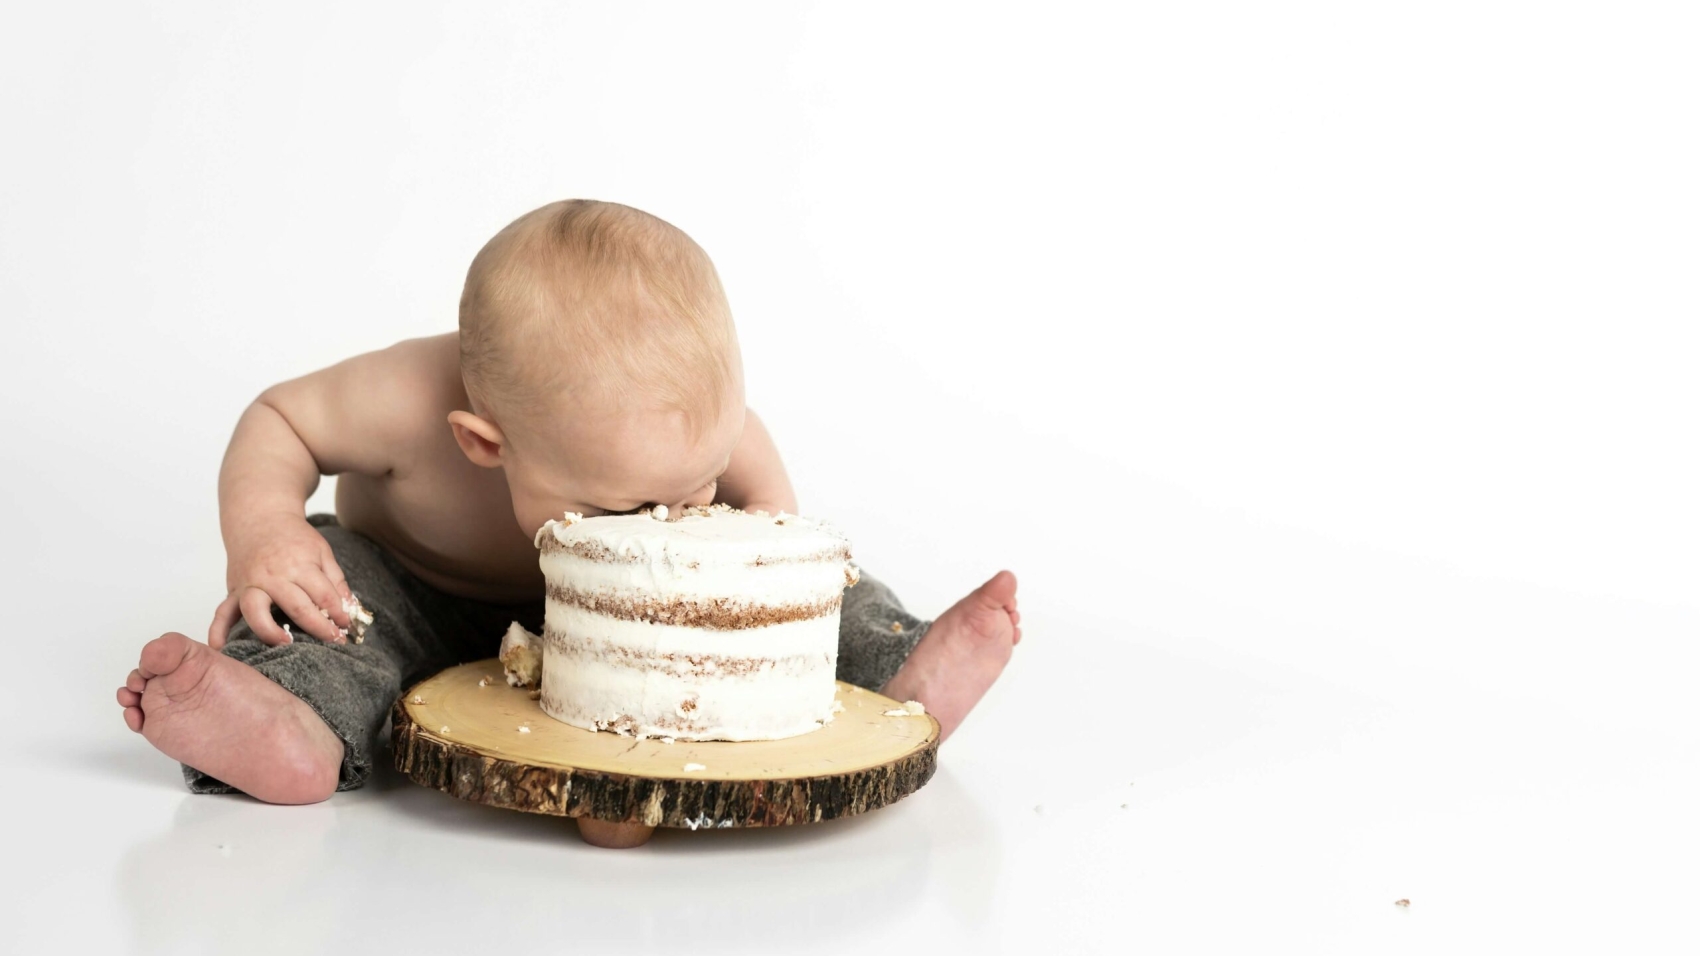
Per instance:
(756,480)
(346,418)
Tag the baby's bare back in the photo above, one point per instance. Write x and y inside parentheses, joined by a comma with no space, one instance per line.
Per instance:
(410,487)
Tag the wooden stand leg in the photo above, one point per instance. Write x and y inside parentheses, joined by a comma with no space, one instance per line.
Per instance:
(613,836)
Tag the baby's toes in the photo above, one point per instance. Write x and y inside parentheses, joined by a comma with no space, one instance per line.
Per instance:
(128,698)
(135,682)
(133,718)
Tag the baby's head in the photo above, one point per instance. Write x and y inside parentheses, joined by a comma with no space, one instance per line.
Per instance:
(598,352)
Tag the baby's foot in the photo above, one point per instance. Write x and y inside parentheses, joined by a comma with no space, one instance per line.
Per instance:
(228,720)
(961,654)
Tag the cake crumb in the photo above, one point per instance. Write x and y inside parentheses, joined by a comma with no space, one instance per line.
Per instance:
(914,707)
(897,627)
(444,729)
(418,699)
(521,656)
(692,767)
(667,740)
(1404,903)
(358,618)
(659,513)
(483,682)
(525,728)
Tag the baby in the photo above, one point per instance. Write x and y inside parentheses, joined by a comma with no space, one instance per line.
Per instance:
(595,370)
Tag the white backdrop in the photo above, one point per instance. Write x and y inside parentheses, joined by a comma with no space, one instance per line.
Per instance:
(1326,373)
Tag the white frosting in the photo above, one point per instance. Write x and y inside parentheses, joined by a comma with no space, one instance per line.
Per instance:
(759,682)
(726,536)
(668,577)
(568,518)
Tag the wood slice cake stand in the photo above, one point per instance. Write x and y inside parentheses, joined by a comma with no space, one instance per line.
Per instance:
(460,732)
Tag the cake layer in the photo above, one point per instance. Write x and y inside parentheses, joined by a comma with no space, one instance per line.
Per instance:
(568,630)
(713,613)
(589,684)
(668,680)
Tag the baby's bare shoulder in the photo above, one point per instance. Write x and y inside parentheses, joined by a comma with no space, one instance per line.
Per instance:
(377,412)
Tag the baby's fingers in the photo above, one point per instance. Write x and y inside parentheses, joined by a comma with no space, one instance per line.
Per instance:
(257,611)
(333,571)
(323,595)
(300,607)
(227,614)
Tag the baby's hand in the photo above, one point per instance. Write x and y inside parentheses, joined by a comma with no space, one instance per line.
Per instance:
(288,563)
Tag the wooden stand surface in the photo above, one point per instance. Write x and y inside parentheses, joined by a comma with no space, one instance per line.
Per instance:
(460,732)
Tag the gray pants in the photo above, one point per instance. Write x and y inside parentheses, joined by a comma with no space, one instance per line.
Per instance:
(418,630)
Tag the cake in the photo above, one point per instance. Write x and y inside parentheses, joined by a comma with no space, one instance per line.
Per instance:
(714,624)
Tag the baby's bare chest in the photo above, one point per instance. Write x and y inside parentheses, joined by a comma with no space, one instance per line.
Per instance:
(450,522)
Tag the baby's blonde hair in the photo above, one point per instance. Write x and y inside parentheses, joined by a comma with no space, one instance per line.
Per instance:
(599,300)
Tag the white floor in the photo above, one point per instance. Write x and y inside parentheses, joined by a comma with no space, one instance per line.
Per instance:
(1196,776)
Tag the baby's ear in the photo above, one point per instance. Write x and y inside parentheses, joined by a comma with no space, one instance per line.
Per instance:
(480,440)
